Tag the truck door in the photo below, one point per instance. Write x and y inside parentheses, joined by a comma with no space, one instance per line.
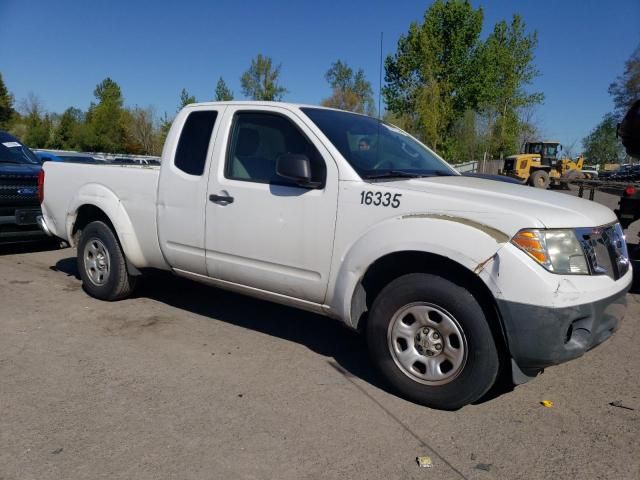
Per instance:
(262,230)
(182,188)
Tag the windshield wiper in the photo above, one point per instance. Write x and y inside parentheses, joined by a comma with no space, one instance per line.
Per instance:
(405,174)
(392,174)
(10,161)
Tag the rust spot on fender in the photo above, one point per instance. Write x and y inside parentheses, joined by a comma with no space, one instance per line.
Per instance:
(494,233)
(482,264)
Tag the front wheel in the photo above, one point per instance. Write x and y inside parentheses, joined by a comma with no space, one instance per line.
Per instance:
(539,179)
(430,339)
(102,264)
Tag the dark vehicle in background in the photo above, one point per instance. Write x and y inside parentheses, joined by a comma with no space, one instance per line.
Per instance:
(50,156)
(19,204)
(629,132)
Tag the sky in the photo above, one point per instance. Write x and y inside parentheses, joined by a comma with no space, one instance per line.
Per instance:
(60,49)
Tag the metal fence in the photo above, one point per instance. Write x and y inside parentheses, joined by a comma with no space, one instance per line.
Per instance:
(488,166)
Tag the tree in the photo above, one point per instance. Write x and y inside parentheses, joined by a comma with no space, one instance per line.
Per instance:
(223,94)
(601,145)
(440,49)
(261,80)
(435,62)
(67,134)
(7,112)
(37,123)
(442,70)
(626,88)
(350,91)
(185,99)
(141,131)
(506,60)
(162,132)
(106,120)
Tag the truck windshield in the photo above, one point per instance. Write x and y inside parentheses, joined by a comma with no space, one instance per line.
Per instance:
(12,151)
(376,149)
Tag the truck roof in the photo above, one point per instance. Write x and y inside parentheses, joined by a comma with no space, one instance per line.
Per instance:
(269,104)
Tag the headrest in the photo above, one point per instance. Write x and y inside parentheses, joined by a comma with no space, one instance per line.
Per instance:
(248,142)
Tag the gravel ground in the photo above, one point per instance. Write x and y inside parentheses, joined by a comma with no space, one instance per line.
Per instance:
(190,382)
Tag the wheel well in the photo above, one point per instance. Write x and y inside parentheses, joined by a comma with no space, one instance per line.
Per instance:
(388,268)
(91,213)
(86,215)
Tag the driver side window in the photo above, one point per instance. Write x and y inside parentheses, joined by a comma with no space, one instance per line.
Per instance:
(258,140)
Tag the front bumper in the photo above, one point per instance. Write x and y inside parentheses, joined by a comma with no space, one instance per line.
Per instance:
(542,336)
(20,226)
(511,174)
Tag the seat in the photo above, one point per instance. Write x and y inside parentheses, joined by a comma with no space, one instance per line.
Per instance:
(246,163)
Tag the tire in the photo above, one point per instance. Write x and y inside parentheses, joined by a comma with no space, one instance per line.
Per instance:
(539,179)
(102,264)
(448,311)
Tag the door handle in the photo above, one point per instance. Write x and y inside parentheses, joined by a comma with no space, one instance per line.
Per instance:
(221,199)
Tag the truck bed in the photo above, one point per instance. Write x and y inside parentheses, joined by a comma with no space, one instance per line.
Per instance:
(70,185)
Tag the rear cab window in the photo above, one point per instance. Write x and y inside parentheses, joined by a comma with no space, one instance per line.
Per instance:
(191,154)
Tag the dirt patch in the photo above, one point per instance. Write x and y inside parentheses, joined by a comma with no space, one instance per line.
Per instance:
(129,326)
(72,287)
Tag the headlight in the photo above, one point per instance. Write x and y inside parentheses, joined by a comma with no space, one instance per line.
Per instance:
(558,251)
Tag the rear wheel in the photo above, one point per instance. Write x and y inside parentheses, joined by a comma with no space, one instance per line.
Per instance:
(430,339)
(102,264)
(539,179)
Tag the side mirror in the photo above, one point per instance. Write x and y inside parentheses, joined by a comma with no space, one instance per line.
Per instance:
(629,130)
(296,167)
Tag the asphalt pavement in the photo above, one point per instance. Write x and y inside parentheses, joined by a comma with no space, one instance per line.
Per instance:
(186,381)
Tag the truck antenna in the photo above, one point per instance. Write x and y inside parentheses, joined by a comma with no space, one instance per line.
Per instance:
(380,81)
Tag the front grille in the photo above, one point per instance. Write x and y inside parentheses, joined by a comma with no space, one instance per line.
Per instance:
(605,249)
(509,164)
(18,190)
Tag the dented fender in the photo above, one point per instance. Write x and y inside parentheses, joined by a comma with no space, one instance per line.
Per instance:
(468,242)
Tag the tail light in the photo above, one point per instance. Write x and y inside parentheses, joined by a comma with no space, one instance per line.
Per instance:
(41,186)
(630,190)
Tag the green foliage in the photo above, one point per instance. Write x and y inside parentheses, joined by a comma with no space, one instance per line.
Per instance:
(442,71)
(39,130)
(601,145)
(141,131)
(163,131)
(67,134)
(223,93)
(506,60)
(626,88)
(106,121)
(35,126)
(351,91)
(185,99)
(261,80)
(7,112)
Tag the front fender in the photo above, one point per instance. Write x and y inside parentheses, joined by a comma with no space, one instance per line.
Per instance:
(106,200)
(465,241)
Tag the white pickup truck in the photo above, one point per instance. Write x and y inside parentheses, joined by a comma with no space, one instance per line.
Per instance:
(453,280)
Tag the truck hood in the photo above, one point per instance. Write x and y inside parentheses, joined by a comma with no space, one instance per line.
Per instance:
(525,206)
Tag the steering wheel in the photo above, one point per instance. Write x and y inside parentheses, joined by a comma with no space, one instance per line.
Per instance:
(415,154)
(382,162)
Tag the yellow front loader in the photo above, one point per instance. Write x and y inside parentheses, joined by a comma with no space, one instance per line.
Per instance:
(539,165)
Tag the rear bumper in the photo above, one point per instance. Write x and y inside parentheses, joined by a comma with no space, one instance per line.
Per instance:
(539,337)
(43,226)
